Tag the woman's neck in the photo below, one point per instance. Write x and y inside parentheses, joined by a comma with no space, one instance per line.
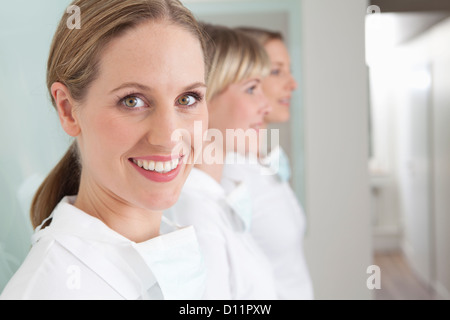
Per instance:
(215,170)
(263,142)
(135,224)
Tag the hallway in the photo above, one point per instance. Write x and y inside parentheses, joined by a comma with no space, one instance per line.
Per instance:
(398,281)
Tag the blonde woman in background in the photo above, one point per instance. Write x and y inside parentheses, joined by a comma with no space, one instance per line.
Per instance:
(278,220)
(236,268)
(121,86)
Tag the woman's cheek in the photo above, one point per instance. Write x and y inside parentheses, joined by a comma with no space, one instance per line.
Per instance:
(270,87)
(190,136)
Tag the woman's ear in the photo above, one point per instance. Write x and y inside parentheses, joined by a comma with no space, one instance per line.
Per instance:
(65,107)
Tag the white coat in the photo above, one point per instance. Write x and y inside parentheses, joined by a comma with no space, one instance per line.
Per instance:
(277,224)
(236,268)
(79,257)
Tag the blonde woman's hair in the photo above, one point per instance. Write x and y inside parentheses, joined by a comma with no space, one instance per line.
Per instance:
(263,36)
(74,61)
(233,56)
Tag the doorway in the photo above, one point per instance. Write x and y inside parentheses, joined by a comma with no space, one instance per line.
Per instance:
(402,57)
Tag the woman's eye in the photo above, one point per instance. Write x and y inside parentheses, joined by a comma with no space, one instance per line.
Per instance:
(251,90)
(275,72)
(186,100)
(133,102)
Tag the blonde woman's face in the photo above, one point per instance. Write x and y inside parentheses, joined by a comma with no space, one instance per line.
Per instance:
(242,105)
(151,82)
(278,86)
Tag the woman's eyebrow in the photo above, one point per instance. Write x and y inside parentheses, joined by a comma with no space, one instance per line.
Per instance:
(194,86)
(256,80)
(131,85)
(143,87)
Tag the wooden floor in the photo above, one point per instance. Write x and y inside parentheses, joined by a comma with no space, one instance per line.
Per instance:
(398,282)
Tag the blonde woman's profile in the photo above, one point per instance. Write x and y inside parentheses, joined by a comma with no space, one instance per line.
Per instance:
(278,221)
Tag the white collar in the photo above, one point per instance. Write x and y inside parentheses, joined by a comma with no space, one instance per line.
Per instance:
(268,158)
(68,219)
(128,271)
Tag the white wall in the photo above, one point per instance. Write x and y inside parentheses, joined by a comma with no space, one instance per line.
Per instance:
(334,84)
(441,158)
(386,219)
(414,157)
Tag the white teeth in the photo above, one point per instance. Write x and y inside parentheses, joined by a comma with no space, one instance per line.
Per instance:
(151,165)
(167,166)
(158,166)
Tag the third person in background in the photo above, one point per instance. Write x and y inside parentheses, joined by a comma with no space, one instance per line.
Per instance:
(278,220)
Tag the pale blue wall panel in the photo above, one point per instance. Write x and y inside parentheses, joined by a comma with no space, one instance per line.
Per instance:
(31,139)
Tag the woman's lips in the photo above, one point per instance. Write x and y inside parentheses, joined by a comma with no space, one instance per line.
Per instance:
(161,158)
(158,168)
(285,101)
(257,126)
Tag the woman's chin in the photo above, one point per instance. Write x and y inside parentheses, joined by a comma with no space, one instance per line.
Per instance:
(277,119)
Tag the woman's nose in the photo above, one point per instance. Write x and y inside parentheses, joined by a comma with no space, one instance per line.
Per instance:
(292,84)
(265,105)
(161,127)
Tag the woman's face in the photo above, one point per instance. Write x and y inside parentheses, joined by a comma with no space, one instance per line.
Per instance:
(242,105)
(150,83)
(278,86)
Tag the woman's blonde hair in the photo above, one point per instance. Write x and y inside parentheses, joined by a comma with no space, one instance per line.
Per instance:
(74,61)
(263,36)
(233,56)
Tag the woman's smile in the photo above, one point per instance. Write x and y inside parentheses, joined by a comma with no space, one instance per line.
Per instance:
(158,168)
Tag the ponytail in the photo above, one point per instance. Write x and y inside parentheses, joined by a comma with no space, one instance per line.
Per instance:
(63,180)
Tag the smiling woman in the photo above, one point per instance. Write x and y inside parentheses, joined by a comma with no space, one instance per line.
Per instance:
(98,213)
